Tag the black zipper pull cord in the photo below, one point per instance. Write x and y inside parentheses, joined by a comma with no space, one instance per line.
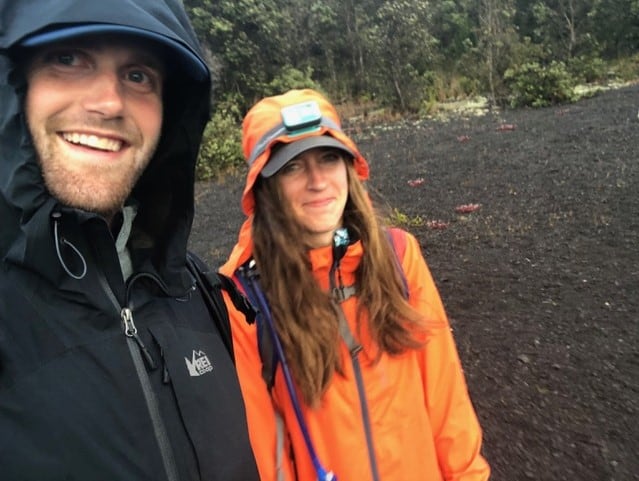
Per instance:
(166,378)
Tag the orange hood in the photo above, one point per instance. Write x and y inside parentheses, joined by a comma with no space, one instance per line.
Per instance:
(284,119)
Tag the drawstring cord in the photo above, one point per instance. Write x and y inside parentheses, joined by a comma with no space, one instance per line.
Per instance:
(61,240)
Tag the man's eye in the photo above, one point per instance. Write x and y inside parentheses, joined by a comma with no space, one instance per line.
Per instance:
(61,57)
(138,76)
(143,80)
(66,58)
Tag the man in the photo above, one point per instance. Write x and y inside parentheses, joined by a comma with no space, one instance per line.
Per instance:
(111,365)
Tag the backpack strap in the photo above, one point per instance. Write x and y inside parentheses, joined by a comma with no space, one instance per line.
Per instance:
(247,277)
(211,285)
(355,348)
(239,300)
(397,238)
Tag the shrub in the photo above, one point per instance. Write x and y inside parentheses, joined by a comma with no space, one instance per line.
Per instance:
(291,78)
(537,85)
(625,68)
(221,150)
(586,69)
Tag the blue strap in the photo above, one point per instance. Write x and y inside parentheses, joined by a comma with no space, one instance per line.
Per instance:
(256,296)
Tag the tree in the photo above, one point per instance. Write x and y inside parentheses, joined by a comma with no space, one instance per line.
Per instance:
(615,24)
(404,50)
(454,27)
(562,26)
(496,37)
(246,41)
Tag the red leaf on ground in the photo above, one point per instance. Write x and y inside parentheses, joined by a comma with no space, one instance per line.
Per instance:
(437,224)
(467,208)
(416,182)
(506,127)
(463,138)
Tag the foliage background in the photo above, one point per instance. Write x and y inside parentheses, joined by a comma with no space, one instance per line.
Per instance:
(404,57)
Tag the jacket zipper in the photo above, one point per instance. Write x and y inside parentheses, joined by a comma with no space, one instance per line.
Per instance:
(138,350)
(131,332)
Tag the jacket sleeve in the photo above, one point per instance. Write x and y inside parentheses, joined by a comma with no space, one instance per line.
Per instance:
(260,410)
(455,426)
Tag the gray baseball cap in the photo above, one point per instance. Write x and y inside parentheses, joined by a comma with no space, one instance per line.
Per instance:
(282,154)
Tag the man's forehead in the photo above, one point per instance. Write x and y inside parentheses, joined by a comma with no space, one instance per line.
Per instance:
(140,49)
(175,52)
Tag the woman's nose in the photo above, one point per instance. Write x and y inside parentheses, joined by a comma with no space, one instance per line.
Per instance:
(315,175)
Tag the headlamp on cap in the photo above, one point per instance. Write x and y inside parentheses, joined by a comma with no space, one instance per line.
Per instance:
(297,119)
(301,118)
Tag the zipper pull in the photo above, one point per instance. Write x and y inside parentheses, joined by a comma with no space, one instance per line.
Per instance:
(131,331)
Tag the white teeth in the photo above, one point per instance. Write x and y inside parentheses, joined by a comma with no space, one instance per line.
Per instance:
(93,141)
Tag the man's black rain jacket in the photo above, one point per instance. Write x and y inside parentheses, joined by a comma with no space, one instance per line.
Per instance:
(79,398)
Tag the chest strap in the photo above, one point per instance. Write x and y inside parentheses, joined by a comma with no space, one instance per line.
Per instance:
(342,293)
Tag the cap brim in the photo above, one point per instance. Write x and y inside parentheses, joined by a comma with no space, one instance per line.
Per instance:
(191,63)
(289,151)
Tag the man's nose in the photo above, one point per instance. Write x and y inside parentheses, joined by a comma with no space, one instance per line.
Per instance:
(104,95)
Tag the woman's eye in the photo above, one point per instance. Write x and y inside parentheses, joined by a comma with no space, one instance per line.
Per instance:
(329,157)
(290,167)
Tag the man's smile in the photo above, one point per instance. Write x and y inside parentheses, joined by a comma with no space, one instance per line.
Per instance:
(93,141)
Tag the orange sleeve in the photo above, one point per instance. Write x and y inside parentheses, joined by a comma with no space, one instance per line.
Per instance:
(260,411)
(457,433)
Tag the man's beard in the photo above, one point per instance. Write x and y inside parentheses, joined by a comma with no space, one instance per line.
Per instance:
(98,188)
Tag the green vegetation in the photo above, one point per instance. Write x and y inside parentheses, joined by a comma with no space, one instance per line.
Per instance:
(400,219)
(221,149)
(404,57)
(539,85)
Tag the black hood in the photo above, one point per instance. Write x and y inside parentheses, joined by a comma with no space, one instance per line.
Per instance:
(165,190)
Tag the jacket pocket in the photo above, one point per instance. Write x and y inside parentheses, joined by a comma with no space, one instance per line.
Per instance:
(201,374)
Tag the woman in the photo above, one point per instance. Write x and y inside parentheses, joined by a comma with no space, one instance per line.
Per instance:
(367,382)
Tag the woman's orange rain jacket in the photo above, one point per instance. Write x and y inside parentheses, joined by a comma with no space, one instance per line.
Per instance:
(423,423)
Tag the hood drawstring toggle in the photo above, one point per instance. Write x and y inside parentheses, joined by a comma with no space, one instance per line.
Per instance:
(61,240)
(339,291)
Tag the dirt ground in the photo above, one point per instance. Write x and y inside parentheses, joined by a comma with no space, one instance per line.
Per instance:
(540,282)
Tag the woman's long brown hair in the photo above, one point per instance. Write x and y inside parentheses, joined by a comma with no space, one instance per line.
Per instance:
(303,314)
